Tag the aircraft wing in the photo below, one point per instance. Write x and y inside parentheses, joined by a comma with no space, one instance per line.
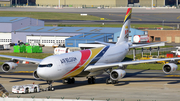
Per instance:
(22,58)
(104,43)
(149,44)
(119,64)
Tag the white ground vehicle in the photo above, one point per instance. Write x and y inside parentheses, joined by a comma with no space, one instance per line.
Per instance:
(60,50)
(177,52)
(29,88)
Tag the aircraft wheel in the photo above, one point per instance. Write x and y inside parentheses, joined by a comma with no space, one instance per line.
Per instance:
(114,81)
(108,81)
(89,80)
(26,91)
(64,81)
(93,80)
(73,80)
(52,89)
(35,90)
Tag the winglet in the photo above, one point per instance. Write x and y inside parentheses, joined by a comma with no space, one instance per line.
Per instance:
(126,27)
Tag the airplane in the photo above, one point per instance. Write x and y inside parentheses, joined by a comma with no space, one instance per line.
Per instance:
(89,63)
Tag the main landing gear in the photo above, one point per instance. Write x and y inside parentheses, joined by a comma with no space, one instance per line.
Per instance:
(68,81)
(110,81)
(91,80)
(50,88)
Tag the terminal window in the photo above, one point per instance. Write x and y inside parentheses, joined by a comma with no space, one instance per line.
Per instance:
(157,39)
(5,40)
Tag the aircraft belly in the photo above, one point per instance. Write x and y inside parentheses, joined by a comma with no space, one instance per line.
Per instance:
(95,73)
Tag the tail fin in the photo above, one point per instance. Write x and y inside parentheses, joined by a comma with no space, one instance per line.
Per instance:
(126,27)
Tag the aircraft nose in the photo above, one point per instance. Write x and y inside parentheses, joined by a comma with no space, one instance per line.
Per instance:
(43,73)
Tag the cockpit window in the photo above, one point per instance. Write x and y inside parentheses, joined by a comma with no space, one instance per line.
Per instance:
(47,65)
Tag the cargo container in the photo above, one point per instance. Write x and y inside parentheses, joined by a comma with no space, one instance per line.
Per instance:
(33,49)
(16,49)
(170,55)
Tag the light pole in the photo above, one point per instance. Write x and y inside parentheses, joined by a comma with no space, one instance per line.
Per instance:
(16,3)
(27,2)
(59,3)
(163,24)
(177,6)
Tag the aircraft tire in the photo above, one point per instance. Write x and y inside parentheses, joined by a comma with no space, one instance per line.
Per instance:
(63,81)
(35,90)
(89,80)
(108,81)
(72,80)
(93,80)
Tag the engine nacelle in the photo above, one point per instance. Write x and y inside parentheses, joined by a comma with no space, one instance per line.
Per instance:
(9,66)
(35,75)
(117,74)
(169,68)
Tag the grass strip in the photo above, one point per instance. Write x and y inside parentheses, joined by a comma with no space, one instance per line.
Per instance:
(48,15)
(138,26)
(28,55)
(149,66)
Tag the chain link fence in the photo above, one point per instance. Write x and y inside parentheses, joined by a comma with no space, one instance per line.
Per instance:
(146,51)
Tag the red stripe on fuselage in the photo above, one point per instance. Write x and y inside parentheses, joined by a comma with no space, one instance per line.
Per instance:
(85,54)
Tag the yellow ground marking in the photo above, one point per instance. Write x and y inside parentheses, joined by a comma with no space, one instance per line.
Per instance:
(178,17)
(23,72)
(137,18)
(172,76)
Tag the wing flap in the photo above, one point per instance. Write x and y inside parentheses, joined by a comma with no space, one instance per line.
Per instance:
(22,58)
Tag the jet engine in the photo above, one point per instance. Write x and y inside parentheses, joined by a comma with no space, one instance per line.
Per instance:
(9,66)
(117,74)
(35,75)
(169,68)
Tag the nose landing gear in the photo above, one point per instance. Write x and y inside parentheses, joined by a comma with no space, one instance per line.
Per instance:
(50,88)
(68,81)
(91,80)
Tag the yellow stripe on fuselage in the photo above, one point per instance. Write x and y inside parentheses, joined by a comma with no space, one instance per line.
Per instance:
(94,52)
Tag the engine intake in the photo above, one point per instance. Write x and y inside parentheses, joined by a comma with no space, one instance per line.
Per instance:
(9,66)
(169,68)
(117,74)
(35,75)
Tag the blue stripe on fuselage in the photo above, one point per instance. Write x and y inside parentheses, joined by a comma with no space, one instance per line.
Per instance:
(99,56)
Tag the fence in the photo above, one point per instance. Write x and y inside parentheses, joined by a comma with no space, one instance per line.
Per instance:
(162,51)
(40,99)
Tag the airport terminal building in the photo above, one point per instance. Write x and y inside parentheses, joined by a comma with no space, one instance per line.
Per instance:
(91,3)
(25,29)
(10,24)
(68,36)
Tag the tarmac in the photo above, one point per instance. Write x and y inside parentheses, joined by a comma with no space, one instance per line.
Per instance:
(141,85)
(144,85)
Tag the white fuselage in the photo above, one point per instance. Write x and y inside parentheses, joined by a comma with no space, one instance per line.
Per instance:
(71,64)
